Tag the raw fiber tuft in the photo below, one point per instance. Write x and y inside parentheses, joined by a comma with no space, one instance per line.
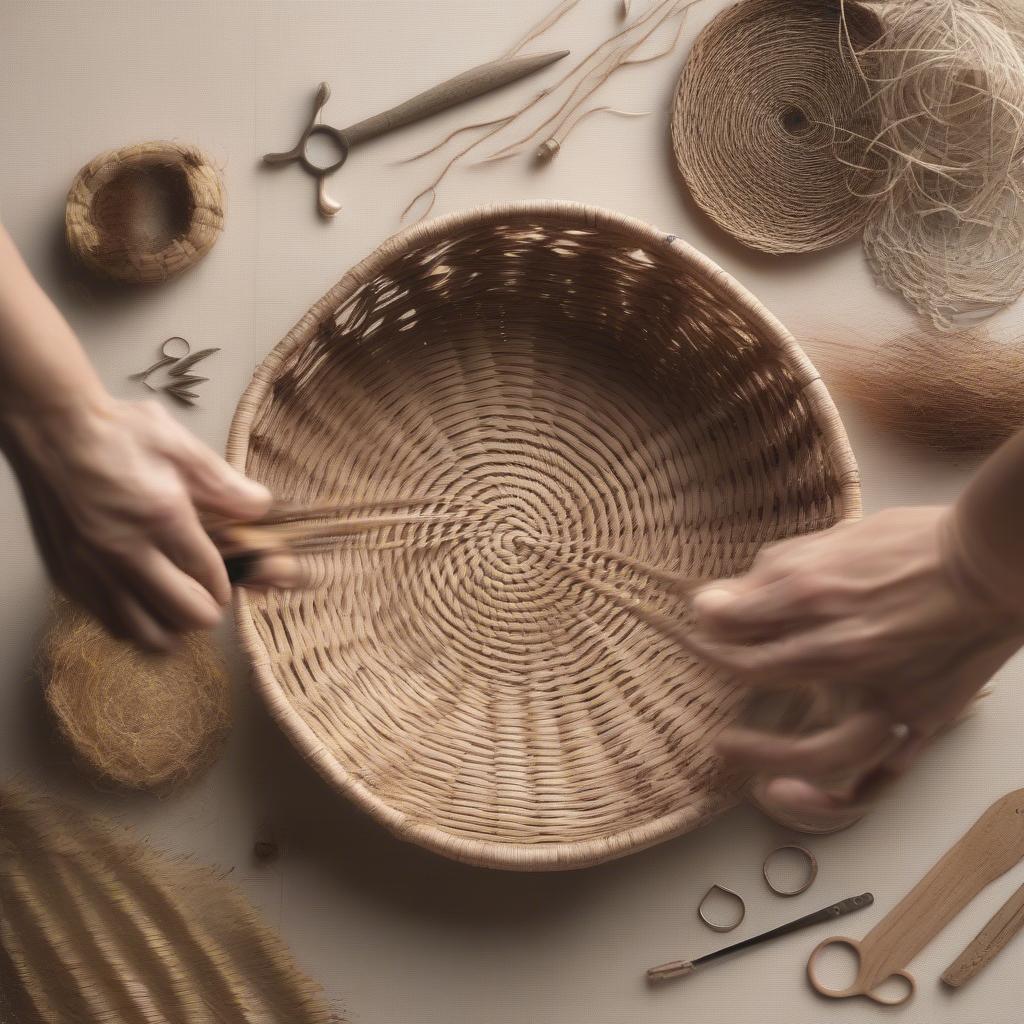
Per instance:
(960,395)
(947,79)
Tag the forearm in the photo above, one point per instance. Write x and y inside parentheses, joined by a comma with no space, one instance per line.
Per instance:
(988,526)
(42,365)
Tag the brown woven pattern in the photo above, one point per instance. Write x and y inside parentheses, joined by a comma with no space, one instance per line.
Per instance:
(601,415)
(762,123)
(145,213)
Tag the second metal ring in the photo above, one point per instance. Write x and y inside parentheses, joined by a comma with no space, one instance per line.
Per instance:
(714,926)
(812,870)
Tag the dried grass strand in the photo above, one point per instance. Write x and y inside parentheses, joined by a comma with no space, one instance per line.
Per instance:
(609,58)
(97,927)
(544,25)
(583,70)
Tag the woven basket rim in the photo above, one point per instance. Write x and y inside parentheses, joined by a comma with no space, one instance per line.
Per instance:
(485,853)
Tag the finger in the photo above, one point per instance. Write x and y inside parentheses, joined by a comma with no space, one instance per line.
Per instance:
(798,799)
(861,740)
(189,547)
(778,663)
(741,611)
(277,570)
(217,487)
(170,596)
(124,617)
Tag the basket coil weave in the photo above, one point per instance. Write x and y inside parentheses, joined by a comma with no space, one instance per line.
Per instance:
(596,411)
(145,213)
(762,118)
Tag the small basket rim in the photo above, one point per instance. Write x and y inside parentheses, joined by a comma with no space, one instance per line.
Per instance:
(206,218)
(539,856)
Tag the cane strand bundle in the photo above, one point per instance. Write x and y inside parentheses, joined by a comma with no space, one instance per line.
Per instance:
(622,419)
(768,118)
(98,928)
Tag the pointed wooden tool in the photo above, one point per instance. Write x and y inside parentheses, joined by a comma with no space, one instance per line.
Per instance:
(467,86)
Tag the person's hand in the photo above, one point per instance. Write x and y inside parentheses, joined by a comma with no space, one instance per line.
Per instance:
(890,605)
(114,490)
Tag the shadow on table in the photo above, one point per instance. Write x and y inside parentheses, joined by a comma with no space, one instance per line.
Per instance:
(318,824)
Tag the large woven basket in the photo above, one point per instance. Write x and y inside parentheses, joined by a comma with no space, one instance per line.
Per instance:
(586,412)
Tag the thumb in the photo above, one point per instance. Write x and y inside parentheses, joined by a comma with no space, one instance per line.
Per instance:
(712,604)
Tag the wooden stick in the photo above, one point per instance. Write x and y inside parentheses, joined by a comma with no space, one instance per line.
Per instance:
(989,942)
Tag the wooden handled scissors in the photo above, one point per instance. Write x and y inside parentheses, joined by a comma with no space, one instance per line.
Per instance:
(993,845)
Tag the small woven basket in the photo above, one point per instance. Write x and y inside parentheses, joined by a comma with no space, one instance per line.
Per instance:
(587,412)
(145,213)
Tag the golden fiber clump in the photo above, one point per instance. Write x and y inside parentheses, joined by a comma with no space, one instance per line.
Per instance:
(144,721)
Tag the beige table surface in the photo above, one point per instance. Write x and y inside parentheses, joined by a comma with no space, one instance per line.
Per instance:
(395,934)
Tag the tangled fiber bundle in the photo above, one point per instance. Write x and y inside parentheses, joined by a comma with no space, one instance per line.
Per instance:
(145,721)
(99,928)
(960,395)
(145,213)
(616,418)
(947,78)
(768,120)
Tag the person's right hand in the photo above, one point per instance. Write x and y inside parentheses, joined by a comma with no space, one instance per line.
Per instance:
(893,606)
(115,491)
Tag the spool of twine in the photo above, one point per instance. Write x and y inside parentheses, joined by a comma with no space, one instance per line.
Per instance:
(145,213)
(762,119)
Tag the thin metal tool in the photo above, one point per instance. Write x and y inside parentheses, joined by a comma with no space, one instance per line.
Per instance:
(467,86)
(680,968)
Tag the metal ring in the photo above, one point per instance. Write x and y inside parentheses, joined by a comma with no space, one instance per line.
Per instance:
(171,355)
(812,870)
(722,927)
